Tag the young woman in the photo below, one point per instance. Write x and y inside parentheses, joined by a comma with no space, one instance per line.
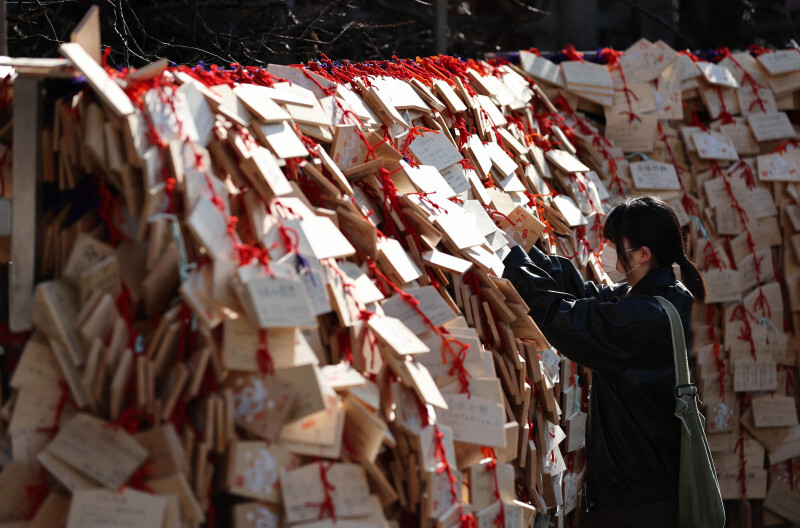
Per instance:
(623,335)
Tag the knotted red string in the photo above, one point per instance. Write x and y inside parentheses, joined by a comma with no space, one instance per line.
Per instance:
(344,345)
(720,364)
(712,257)
(447,341)
(326,506)
(465,520)
(308,143)
(600,142)
(36,493)
(611,57)
(747,173)
(123,303)
(138,480)
(573,54)
(533,202)
(692,118)
(488,452)
(390,203)
(514,120)
(263,357)
(289,238)
(494,214)
(110,213)
(328,91)
(692,56)
(748,79)
(370,147)
(761,302)
(458,369)
(742,476)
(245,253)
(725,116)
(746,332)
(414,133)
(686,200)
(423,197)
(578,180)
(64,399)
(130,420)
(783,147)
(367,336)
(466,164)
(583,243)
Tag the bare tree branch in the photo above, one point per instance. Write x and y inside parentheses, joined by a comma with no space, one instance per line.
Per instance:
(289,31)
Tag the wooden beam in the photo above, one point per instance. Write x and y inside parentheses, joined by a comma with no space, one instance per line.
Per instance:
(26,175)
(87,33)
(104,86)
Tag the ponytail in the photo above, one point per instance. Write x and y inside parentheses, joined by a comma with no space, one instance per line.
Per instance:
(691,278)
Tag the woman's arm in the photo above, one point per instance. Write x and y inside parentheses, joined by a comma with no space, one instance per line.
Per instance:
(587,330)
(562,270)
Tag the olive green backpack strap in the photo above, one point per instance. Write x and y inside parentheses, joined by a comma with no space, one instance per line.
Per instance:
(679,353)
(699,499)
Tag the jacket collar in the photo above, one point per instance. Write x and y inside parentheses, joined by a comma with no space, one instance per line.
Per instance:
(657,278)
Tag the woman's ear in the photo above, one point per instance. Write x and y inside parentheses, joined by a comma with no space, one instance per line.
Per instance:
(647,255)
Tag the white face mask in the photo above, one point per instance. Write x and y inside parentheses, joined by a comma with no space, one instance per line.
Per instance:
(608,259)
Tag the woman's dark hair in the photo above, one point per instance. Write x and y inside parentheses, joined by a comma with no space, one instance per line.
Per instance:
(649,221)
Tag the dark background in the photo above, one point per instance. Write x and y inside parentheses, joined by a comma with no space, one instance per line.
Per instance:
(257,32)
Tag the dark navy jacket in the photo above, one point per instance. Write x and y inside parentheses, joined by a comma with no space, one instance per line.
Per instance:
(623,335)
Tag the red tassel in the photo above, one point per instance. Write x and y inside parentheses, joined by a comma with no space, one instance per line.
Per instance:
(572,54)
(263,357)
(326,506)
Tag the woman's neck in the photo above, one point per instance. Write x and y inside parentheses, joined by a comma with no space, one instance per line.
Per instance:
(640,272)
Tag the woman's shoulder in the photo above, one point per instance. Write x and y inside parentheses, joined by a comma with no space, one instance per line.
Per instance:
(649,307)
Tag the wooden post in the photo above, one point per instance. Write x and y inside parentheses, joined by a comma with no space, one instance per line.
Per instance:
(26,176)
(3,28)
(440,26)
